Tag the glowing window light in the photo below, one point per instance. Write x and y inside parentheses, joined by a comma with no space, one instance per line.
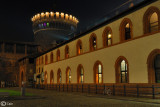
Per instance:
(52,14)
(62,15)
(42,15)
(47,24)
(66,16)
(38,16)
(57,14)
(44,24)
(70,17)
(47,14)
(39,25)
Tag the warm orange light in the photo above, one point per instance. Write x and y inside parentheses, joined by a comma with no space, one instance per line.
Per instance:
(66,16)
(38,16)
(109,35)
(70,17)
(52,14)
(57,14)
(73,18)
(42,15)
(62,15)
(47,14)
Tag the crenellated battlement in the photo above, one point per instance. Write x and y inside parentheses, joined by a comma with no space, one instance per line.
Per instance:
(48,16)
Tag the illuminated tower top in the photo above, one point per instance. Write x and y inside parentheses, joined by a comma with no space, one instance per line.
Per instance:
(51,27)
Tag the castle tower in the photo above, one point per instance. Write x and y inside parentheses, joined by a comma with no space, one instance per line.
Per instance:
(51,28)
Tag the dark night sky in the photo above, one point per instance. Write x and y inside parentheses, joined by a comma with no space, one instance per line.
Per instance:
(16,16)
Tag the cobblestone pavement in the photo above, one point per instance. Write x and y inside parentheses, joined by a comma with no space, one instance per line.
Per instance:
(49,98)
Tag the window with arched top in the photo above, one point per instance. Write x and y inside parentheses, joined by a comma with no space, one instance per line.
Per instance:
(93,42)
(51,57)
(122,71)
(58,55)
(67,51)
(126,29)
(80,74)
(151,20)
(59,76)
(153,64)
(107,37)
(79,47)
(98,72)
(51,77)
(68,75)
(46,59)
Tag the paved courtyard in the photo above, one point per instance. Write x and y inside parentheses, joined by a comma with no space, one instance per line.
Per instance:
(49,98)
